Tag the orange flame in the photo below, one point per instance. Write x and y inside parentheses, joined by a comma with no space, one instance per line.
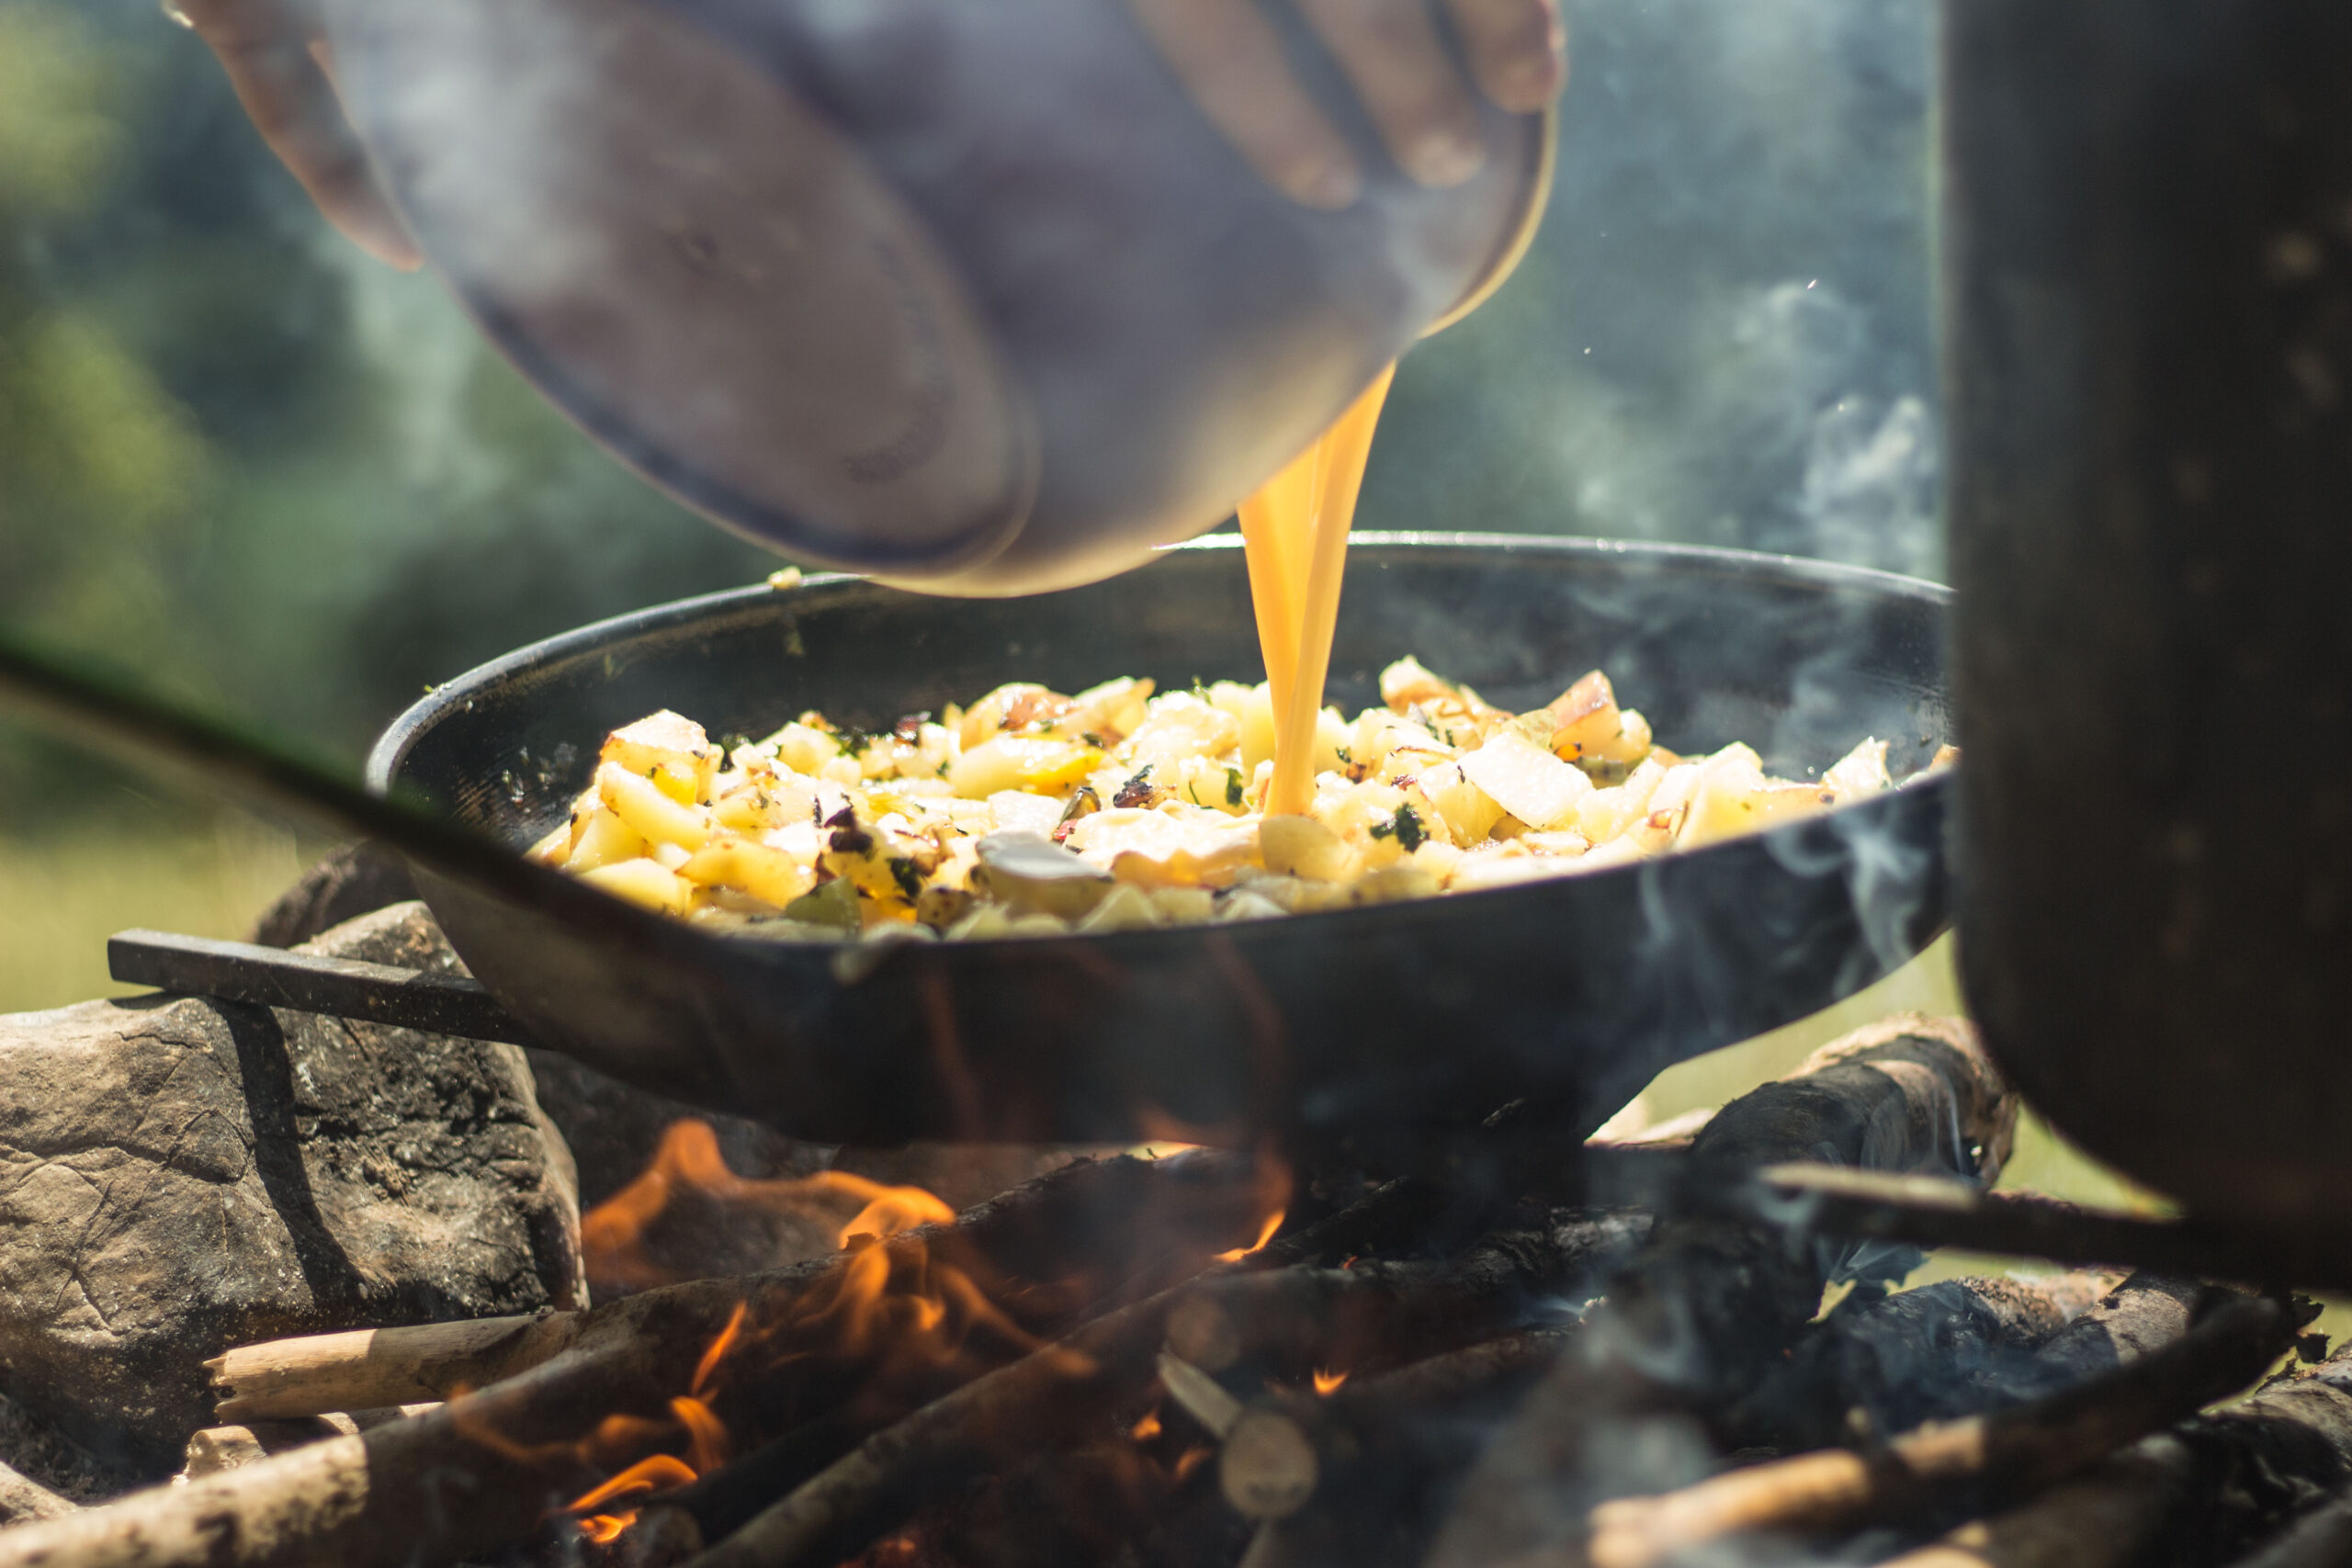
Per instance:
(645,1475)
(915,1310)
(1325,1383)
(1147,1428)
(613,1234)
(1274,1183)
(1265,1234)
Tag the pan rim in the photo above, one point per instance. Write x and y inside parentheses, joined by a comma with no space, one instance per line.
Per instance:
(392,746)
(1784,843)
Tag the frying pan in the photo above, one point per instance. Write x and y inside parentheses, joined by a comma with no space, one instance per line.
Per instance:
(1384,1026)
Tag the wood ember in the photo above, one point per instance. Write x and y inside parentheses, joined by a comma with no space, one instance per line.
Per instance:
(2011,1451)
(2207,1491)
(483,1469)
(1052,1396)
(1712,1304)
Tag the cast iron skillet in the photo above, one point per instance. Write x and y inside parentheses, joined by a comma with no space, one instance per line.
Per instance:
(1388,1025)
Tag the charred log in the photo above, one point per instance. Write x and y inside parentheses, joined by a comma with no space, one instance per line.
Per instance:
(2207,1491)
(1711,1302)
(2011,1451)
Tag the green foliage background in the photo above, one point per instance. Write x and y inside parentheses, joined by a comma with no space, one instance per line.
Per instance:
(281,479)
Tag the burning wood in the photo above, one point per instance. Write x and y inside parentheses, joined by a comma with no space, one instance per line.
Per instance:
(1301,1315)
(613,1381)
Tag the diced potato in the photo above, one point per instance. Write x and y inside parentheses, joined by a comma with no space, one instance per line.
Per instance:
(1213,782)
(1250,905)
(1587,723)
(1110,712)
(1409,681)
(1605,813)
(804,748)
(1303,847)
(987,920)
(643,881)
(1036,925)
(1012,706)
(1860,772)
(605,841)
(1527,780)
(1673,792)
(1010,761)
(1254,706)
(1395,883)
(1123,908)
(1733,796)
(556,843)
(749,866)
(775,798)
(670,749)
(1179,725)
(1183,905)
(637,801)
(1479,871)
(1117,809)
(1021,812)
(1567,843)
(1469,812)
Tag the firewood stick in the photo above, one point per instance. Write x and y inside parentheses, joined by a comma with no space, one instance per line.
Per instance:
(1049,1396)
(318,1374)
(23,1498)
(369,1368)
(2180,1495)
(1940,1212)
(2021,1447)
(486,1467)
(1713,1303)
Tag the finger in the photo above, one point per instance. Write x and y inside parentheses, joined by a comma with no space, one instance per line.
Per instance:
(286,93)
(1391,53)
(1230,60)
(1518,49)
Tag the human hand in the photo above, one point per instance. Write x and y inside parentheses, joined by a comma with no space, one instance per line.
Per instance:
(1230,59)
(276,58)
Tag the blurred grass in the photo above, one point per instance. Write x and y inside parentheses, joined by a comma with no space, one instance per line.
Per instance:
(64,893)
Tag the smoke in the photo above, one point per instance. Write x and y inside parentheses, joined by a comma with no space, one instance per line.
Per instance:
(1724,334)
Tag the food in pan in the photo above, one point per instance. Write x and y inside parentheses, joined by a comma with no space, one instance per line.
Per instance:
(1032,812)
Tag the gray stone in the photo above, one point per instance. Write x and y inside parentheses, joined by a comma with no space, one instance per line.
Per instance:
(179,1176)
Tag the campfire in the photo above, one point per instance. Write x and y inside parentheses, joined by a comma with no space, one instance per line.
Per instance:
(1610,1353)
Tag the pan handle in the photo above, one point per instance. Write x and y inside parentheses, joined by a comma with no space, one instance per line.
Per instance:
(340,988)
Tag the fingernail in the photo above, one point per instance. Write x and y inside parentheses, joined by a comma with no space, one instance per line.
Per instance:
(1529,82)
(1446,157)
(1328,183)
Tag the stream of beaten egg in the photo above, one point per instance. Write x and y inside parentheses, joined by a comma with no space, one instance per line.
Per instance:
(1295,531)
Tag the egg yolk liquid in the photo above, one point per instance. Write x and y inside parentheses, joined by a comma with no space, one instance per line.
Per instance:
(1295,532)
